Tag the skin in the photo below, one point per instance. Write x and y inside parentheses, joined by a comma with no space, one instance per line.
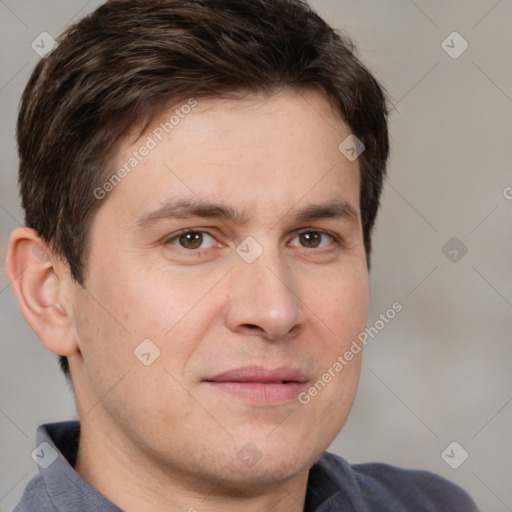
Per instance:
(159,437)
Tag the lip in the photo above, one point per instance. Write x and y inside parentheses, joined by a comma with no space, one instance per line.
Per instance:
(259,385)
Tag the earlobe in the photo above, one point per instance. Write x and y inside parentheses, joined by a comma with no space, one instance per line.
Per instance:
(40,290)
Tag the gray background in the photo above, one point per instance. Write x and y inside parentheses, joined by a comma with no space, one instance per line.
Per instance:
(440,371)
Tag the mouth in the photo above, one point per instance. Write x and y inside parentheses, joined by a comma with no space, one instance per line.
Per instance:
(260,386)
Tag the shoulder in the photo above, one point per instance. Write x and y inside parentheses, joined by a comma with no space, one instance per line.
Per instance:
(385,487)
(34,497)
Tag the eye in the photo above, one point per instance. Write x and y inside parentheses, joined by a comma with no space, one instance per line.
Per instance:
(192,240)
(314,239)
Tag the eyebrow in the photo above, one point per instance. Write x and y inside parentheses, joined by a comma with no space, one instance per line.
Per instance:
(337,209)
(181,209)
(191,208)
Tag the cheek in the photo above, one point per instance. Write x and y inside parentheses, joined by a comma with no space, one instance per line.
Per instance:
(150,305)
(341,302)
(343,307)
(102,332)
(138,301)
(352,308)
(112,372)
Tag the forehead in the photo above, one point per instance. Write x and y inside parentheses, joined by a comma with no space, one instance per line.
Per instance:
(257,151)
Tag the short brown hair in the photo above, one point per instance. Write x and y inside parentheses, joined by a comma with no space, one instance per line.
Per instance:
(118,67)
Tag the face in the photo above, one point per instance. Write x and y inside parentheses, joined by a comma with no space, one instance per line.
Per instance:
(226,274)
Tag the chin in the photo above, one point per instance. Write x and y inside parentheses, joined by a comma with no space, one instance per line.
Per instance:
(245,481)
(253,468)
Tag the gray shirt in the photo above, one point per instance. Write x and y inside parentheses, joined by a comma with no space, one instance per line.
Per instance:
(334,485)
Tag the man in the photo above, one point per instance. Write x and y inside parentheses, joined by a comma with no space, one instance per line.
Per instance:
(200,181)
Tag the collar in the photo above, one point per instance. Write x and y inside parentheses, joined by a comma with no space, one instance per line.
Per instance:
(56,450)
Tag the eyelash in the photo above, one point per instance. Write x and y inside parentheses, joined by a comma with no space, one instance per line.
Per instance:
(175,237)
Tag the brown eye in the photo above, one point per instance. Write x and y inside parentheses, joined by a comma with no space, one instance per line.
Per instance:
(191,240)
(310,239)
(192,244)
(313,240)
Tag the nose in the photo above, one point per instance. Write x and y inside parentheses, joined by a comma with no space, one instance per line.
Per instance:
(263,300)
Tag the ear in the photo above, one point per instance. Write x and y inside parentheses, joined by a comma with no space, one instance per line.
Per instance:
(41,283)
